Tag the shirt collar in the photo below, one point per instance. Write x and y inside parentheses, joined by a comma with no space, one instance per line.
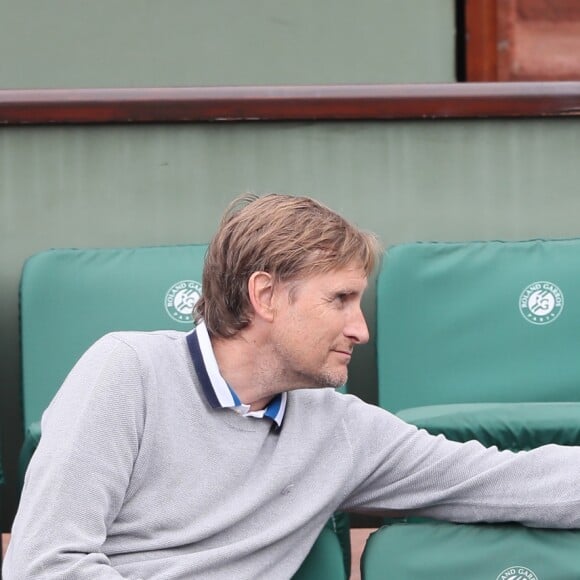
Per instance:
(217,391)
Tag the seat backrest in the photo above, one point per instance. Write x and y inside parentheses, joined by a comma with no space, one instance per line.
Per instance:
(71,297)
(479,322)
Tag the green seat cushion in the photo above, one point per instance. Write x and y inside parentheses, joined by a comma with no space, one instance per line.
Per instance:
(514,426)
(446,551)
(325,560)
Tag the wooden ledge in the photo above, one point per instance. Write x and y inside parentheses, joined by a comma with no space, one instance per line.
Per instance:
(290,103)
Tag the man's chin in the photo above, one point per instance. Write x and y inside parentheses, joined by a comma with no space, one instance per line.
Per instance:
(326,379)
(334,380)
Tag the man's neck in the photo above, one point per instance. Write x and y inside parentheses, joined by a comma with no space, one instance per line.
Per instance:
(242,362)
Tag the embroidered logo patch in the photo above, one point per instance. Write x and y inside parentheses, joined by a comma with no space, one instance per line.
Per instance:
(517,573)
(541,302)
(180,300)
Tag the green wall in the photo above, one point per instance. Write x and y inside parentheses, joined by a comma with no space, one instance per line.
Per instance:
(406,180)
(137,43)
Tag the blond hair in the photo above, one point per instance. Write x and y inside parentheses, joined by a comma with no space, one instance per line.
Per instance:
(288,237)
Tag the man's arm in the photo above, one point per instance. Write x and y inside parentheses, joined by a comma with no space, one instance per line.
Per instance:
(78,476)
(406,469)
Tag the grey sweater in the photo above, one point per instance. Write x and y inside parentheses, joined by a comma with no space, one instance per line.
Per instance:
(136,476)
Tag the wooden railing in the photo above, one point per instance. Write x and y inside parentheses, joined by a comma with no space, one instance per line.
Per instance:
(289,103)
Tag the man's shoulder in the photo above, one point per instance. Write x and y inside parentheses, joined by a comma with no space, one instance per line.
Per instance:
(326,400)
(324,394)
(138,344)
(146,338)
(329,402)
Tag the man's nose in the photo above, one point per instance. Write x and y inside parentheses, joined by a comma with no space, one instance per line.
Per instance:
(357,329)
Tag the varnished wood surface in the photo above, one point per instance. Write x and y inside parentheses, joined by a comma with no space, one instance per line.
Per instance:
(289,103)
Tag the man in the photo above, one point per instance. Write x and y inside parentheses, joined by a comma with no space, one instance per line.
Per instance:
(221,453)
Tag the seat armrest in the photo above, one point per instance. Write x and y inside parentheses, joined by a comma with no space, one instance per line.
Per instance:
(515,426)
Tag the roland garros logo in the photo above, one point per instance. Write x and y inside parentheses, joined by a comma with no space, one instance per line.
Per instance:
(180,300)
(517,573)
(541,302)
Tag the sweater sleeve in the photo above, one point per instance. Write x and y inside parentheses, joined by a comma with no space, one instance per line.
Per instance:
(78,476)
(400,468)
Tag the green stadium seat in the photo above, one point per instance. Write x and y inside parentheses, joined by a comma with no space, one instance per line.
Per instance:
(71,297)
(479,340)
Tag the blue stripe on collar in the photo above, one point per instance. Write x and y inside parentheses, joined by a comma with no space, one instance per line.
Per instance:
(235,397)
(273,409)
(197,358)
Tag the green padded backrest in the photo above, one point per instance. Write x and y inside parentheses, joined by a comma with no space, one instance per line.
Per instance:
(479,322)
(69,298)
(445,551)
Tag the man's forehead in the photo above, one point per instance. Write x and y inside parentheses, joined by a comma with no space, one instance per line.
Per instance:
(349,278)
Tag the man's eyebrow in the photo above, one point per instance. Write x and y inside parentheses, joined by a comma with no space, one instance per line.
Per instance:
(346,291)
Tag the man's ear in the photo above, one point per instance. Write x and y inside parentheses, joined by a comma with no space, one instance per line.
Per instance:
(261,294)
